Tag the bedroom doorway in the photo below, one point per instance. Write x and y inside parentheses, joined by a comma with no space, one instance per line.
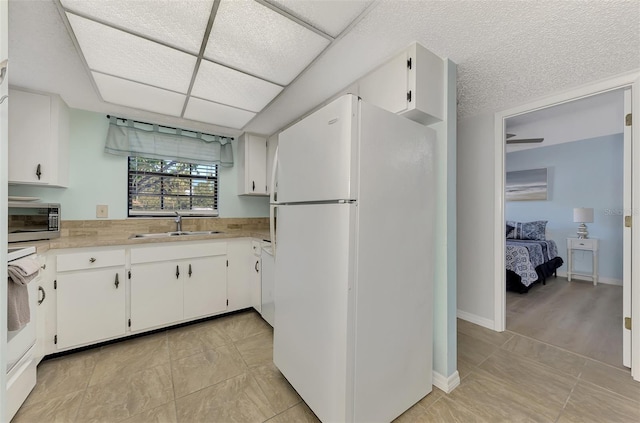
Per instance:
(552,156)
(630,158)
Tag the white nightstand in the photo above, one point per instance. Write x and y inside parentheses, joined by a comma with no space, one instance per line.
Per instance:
(586,244)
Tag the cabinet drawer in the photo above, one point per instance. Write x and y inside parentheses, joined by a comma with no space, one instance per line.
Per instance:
(583,244)
(176,251)
(90,260)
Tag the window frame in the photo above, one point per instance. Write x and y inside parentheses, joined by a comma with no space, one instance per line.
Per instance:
(171,212)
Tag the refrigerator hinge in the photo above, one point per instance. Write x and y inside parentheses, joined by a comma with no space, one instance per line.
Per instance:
(409,96)
(409,63)
(627,120)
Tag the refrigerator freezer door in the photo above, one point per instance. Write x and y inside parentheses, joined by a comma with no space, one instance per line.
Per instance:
(317,156)
(312,292)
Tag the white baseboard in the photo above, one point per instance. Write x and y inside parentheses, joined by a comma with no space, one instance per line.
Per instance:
(601,279)
(482,321)
(446,384)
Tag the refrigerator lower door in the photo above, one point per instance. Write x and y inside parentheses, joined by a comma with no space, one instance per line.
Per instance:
(312,293)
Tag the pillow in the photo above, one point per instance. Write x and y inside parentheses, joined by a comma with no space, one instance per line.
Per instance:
(509,229)
(529,230)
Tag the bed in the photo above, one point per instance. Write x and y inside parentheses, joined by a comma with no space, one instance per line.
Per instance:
(529,261)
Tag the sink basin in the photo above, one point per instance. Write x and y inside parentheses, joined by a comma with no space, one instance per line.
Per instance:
(175,233)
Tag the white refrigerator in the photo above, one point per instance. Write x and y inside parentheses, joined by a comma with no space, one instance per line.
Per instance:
(353,249)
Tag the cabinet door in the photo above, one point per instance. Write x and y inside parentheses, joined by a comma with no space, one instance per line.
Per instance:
(205,286)
(387,86)
(90,306)
(252,165)
(239,256)
(29,137)
(257,165)
(272,145)
(156,294)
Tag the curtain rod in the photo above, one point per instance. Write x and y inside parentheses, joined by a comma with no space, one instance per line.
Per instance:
(168,127)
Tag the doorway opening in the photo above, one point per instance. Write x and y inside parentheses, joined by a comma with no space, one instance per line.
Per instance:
(562,198)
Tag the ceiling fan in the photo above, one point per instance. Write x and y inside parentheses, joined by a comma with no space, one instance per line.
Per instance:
(522,140)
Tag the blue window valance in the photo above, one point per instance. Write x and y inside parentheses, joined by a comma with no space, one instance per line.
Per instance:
(131,138)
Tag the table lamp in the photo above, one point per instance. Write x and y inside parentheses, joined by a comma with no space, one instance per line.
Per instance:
(583,215)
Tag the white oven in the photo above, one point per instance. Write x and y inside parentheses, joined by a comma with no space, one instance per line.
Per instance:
(21,362)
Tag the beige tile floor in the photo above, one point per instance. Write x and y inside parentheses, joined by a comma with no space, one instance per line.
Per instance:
(222,371)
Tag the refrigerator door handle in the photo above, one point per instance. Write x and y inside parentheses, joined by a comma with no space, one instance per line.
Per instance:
(273,197)
(272,227)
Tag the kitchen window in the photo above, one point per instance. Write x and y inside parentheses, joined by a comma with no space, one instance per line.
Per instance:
(160,187)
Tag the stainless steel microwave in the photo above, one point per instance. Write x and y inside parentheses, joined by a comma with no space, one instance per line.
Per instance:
(29,221)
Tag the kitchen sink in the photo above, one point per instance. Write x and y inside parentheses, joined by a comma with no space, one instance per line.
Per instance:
(175,233)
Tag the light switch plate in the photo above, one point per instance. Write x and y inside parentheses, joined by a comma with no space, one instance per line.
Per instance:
(102,210)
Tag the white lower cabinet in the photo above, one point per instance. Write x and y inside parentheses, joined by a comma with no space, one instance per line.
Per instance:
(244,274)
(156,295)
(205,286)
(173,283)
(91,297)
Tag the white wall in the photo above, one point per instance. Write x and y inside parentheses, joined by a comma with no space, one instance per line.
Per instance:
(475,219)
(99,178)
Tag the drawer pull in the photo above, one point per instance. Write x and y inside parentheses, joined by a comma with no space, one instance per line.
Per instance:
(92,260)
(44,295)
(117,282)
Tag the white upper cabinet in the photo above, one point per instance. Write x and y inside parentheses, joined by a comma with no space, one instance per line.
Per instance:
(38,139)
(252,165)
(410,84)
(272,145)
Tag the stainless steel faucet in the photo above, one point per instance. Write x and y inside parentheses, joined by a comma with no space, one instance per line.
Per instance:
(178,222)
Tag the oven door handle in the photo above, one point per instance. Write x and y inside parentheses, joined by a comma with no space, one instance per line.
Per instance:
(44,295)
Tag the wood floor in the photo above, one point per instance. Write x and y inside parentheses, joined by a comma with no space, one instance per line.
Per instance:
(576,316)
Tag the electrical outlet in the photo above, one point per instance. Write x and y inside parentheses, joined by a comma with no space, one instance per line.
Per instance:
(102,210)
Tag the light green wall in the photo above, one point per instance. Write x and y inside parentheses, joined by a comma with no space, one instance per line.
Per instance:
(99,178)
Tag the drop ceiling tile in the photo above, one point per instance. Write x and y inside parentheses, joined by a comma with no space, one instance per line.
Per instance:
(217,114)
(331,17)
(249,36)
(131,94)
(121,54)
(178,23)
(227,86)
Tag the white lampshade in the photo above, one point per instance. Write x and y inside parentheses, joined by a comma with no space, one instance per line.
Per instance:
(583,215)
